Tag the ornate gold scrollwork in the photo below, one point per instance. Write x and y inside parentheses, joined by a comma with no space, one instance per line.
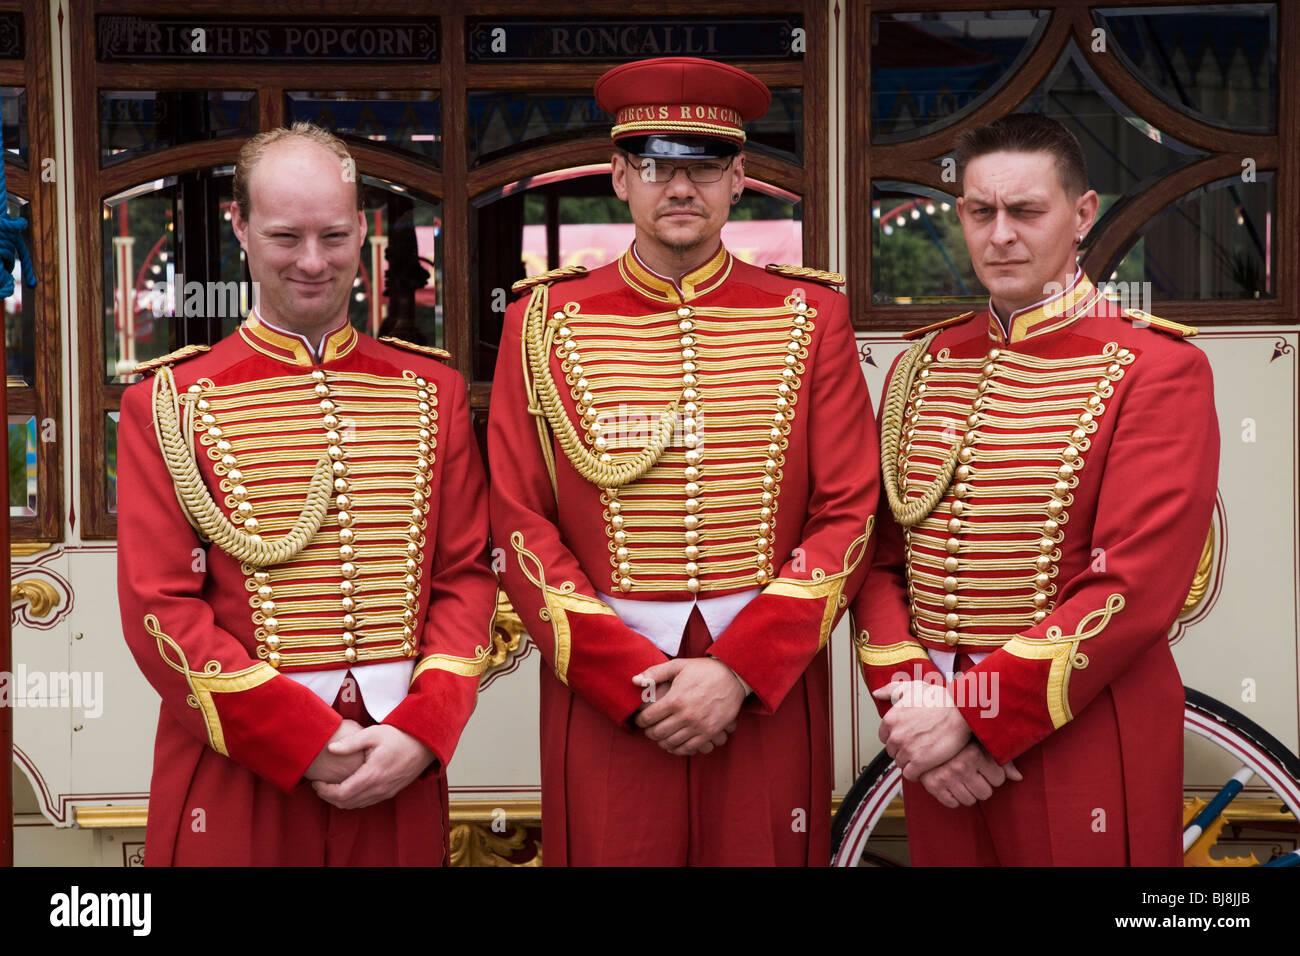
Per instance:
(41,597)
(507,632)
(474,844)
(1200,580)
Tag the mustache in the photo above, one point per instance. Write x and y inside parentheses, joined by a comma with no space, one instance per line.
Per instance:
(678,207)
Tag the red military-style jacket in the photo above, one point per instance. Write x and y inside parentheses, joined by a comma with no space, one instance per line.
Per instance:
(346,508)
(1066,533)
(659,441)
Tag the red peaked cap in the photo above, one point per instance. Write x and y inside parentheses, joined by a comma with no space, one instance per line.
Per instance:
(677,96)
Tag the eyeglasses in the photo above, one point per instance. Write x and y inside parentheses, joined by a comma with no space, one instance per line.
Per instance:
(660,171)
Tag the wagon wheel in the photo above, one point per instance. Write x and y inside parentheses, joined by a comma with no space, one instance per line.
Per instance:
(1260,754)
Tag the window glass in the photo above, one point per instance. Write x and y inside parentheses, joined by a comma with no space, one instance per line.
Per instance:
(406,120)
(930,69)
(1217,242)
(136,122)
(22,465)
(1216,62)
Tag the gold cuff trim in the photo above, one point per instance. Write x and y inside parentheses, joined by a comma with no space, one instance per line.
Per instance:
(827,587)
(211,681)
(560,603)
(1063,651)
(887,655)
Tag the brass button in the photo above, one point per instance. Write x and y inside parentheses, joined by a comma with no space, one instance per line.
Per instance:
(952,620)
(625,584)
(350,655)
(950,638)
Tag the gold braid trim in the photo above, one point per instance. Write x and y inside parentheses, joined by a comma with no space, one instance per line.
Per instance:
(887,655)
(559,604)
(176,444)
(210,681)
(909,513)
(1063,651)
(828,587)
(539,338)
(530,389)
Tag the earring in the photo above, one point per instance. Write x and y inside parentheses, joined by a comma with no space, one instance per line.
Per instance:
(735,198)
(1078,240)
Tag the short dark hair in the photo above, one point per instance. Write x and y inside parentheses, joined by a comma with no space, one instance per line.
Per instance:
(1026,133)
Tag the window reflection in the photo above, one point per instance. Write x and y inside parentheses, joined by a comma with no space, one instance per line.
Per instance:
(1214,62)
(398,288)
(110,460)
(930,69)
(139,249)
(20,318)
(136,122)
(1217,242)
(918,253)
(13,116)
(408,120)
(22,465)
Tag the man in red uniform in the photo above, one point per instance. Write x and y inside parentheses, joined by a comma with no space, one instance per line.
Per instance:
(684,487)
(1050,467)
(302,541)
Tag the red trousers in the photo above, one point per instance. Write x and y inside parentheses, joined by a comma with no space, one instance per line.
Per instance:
(233,817)
(1070,809)
(613,797)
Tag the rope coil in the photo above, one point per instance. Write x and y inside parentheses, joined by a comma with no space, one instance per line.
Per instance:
(175,439)
(909,513)
(539,338)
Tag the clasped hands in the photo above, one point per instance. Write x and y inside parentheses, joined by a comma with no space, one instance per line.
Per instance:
(931,742)
(360,766)
(691,705)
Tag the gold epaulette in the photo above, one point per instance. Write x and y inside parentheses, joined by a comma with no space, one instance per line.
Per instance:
(805,272)
(171,358)
(440,354)
(564,272)
(1176,329)
(933,326)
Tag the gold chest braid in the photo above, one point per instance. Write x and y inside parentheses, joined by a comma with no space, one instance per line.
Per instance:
(703,400)
(980,457)
(351,592)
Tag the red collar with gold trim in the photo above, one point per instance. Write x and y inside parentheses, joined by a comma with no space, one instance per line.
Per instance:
(291,349)
(691,286)
(1049,315)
